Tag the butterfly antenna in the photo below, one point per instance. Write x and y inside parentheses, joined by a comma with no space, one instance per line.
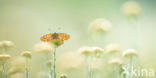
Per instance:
(58,29)
(50,30)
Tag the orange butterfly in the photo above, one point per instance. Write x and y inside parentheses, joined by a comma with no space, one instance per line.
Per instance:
(55,36)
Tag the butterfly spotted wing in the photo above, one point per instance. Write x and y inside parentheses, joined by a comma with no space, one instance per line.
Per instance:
(63,36)
(58,36)
(47,37)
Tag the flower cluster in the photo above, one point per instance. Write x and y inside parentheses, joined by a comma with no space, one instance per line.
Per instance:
(91,51)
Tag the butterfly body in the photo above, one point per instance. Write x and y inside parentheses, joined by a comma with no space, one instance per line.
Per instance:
(55,36)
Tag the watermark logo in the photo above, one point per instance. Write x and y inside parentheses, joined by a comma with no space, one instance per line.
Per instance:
(138,71)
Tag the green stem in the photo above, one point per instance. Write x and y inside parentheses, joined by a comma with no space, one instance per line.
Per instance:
(130,64)
(26,69)
(87,67)
(51,72)
(124,75)
(91,65)
(54,67)
(5,71)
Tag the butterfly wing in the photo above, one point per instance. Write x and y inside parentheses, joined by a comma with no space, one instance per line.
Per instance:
(60,36)
(63,36)
(47,37)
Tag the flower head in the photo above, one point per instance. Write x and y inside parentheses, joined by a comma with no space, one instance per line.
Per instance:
(85,50)
(26,54)
(131,8)
(64,76)
(69,60)
(44,48)
(130,53)
(100,25)
(4,57)
(6,44)
(115,61)
(56,42)
(97,51)
(55,38)
(113,48)
(17,65)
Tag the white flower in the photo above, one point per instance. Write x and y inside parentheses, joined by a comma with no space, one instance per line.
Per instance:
(85,50)
(26,54)
(17,65)
(6,44)
(115,61)
(130,52)
(4,58)
(112,48)
(100,25)
(44,47)
(69,60)
(97,51)
(131,8)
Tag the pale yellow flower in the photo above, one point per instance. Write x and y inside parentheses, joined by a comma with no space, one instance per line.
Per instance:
(90,51)
(17,65)
(115,61)
(4,57)
(7,44)
(130,53)
(69,60)
(97,51)
(85,50)
(44,48)
(131,8)
(112,48)
(26,54)
(100,25)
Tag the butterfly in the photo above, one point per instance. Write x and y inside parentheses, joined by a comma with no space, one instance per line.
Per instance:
(55,36)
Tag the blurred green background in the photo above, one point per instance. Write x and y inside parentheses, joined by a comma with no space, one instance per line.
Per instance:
(25,21)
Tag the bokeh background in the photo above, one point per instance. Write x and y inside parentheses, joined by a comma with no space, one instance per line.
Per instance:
(25,21)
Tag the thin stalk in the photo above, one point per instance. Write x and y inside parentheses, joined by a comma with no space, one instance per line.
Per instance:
(130,64)
(5,71)
(26,69)
(54,66)
(51,72)
(117,72)
(87,66)
(91,65)
(124,75)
